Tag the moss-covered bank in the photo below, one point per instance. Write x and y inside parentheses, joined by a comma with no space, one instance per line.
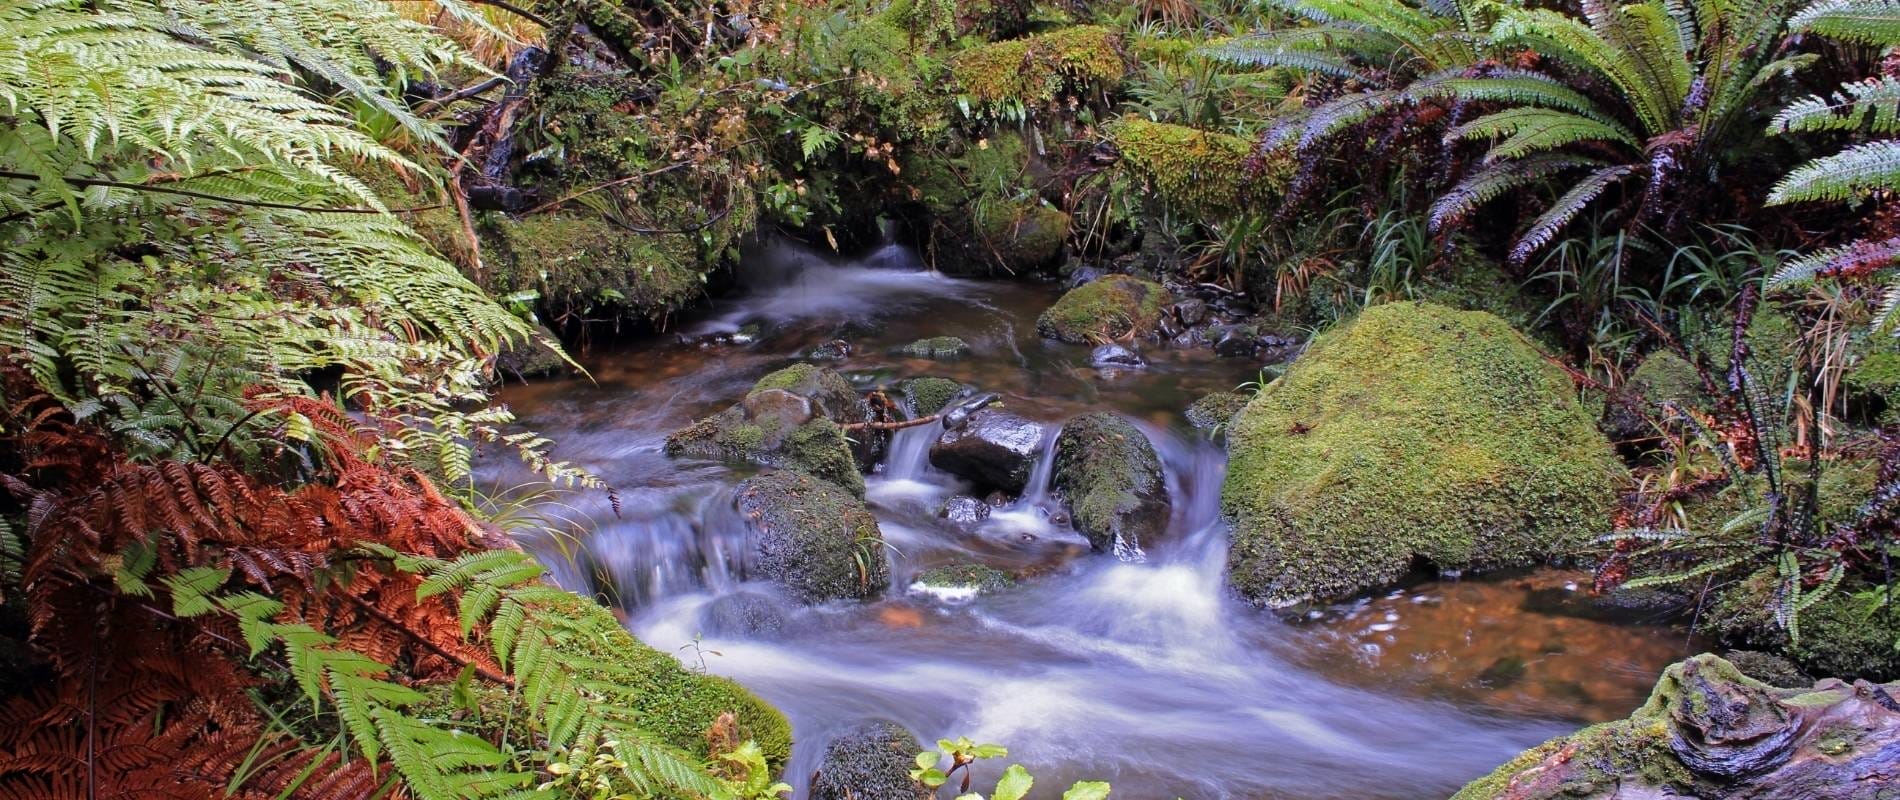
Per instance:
(1413,433)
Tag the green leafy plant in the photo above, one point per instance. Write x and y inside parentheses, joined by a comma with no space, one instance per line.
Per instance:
(1014,784)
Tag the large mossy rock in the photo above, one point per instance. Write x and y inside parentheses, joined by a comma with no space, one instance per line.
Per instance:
(1109,307)
(1112,478)
(813,538)
(791,419)
(870,762)
(1709,731)
(1414,432)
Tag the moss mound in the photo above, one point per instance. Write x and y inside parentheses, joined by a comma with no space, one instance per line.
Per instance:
(1035,70)
(930,395)
(1112,479)
(1194,169)
(1022,234)
(936,347)
(1415,432)
(815,539)
(1109,307)
(791,419)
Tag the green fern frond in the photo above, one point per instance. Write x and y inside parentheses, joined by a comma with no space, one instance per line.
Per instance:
(1862,168)
(1528,130)
(1872,105)
(1493,180)
(1565,209)
(1869,22)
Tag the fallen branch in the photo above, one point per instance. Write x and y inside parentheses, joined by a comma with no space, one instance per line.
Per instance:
(891,426)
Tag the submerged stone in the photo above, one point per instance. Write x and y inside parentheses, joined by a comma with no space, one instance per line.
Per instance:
(1413,433)
(961,582)
(1215,410)
(940,348)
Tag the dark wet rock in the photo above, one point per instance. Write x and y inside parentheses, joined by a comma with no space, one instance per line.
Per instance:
(815,539)
(1272,349)
(930,395)
(964,511)
(1114,356)
(940,348)
(1236,341)
(1415,434)
(956,416)
(533,358)
(1215,410)
(1189,312)
(754,615)
(1111,307)
(791,419)
(968,578)
(1112,479)
(993,448)
(1710,731)
(870,762)
(834,350)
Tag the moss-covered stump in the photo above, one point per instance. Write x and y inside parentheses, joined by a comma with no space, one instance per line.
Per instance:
(815,539)
(1035,71)
(791,419)
(1107,308)
(941,348)
(1112,479)
(870,762)
(675,705)
(1215,410)
(929,395)
(1709,731)
(1415,432)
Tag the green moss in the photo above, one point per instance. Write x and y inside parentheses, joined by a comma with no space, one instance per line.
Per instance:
(1877,375)
(815,539)
(675,704)
(936,347)
(1022,234)
(1036,70)
(1110,307)
(1195,169)
(819,447)
(930,395)
(1415,431)
(974,576)
(1839,638)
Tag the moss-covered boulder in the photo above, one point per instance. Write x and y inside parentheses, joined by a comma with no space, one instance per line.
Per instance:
(1709,731)
(1107,308)
(675,704)
(1215,410)
(939,348)
(1021,234)
(1034,71)
(1414,432)
(815,539)
(791,419)
(929,395)
(870,762)
(1112,479)
(1194,170)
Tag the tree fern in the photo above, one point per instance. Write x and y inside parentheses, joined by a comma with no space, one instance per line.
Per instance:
(1566,207)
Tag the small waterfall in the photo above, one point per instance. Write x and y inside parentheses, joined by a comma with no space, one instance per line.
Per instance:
(1036,492)
(909,456)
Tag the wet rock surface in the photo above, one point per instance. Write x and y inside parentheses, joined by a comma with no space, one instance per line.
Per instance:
(992,448)
(939,348)
(793,419)
(1107,308)
(1114,356)
(1215,410)
(1708,730)
(1112,479)
(964,511)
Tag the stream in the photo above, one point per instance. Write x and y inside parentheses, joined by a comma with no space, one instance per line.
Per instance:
(1140,669)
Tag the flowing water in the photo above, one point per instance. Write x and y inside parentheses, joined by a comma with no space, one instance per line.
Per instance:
(1137,669)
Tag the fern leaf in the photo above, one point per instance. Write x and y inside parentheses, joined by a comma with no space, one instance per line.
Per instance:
(1869,22)
(1566,208)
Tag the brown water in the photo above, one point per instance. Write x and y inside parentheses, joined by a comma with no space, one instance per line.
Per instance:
(1143,672)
